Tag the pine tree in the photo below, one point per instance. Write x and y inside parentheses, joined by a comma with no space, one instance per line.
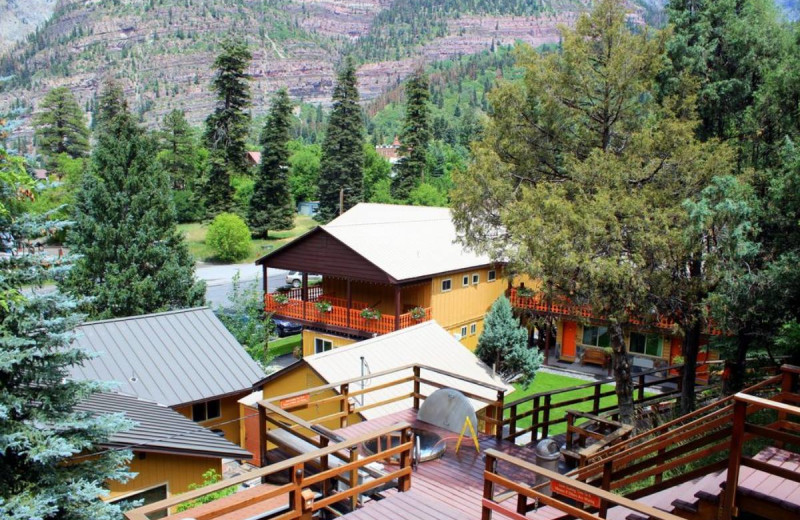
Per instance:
(179,153)
(271,205)
(228,126)
(342,164)
(414,137)
(133,260)
(52,465)
(504,344)
(61,126)
(110,104)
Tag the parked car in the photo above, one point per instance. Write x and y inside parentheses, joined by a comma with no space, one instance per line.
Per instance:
(286,328)
(295,278)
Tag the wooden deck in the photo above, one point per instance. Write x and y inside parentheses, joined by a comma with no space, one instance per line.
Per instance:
(447,488)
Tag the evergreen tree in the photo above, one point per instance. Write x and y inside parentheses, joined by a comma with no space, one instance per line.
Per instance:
(504,344)
(414,137)
(61,126)
(228,126)
(110,104)
(271,206)
(180,154)
(342,163)
(52,465)
(133,260)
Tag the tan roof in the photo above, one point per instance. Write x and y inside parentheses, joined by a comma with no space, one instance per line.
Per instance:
(406,242)
(427,344)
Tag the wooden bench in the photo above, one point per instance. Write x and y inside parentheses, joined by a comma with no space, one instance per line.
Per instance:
(595,357)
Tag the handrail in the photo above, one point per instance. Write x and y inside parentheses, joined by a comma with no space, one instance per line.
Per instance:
(141,513)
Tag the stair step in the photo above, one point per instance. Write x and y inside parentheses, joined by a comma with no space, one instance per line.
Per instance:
(683,505)
(636,516)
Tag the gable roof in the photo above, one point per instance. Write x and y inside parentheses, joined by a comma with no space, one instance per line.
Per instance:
(159,429)
(172,358)
(405,242)
(426,344)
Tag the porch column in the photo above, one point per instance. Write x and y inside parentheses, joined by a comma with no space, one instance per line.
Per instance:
(349,302)
(264,283)
(304,293)
(397,306)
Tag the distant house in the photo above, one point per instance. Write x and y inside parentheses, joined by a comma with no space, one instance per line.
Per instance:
(186,360)
(309,208)
(390,152)
(39,174)
(170,452)
(253,158)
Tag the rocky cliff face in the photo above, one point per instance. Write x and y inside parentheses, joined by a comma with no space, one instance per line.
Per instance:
(19,18)
(161,50)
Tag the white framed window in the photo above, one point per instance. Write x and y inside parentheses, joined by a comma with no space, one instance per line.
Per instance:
(473,329)
(447,284)
(322,345)
(647,344)
(476,278)
(206,411)
(491,275)
(465,281)
(464,331)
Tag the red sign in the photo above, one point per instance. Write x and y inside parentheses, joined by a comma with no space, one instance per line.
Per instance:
(575,494)
(296,401)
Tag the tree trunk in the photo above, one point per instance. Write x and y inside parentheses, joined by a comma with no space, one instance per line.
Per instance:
(733,376)
(622,374)
(691,347)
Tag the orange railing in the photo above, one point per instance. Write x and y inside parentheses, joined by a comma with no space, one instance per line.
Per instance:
(339,314)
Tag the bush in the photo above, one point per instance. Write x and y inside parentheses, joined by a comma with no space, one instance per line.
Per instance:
(229,237)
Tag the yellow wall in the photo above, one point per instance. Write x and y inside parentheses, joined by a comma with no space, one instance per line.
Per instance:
(464,305)
(308,342)
(229,412)
(300,379)
(470,340)
(177,471)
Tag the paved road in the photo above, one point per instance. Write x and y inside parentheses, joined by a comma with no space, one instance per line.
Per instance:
(219,280)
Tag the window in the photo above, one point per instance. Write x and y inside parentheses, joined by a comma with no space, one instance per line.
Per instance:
(596,337)
(476,278)
(465,281)
(322,345)
(491,275)
(464,331)
(447,285)
(647,344)
(147,497)
(205,411)
(473,329)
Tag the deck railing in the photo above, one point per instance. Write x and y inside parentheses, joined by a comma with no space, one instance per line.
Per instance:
(339,315)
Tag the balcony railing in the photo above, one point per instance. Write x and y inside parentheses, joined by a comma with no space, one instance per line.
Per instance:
(339,314)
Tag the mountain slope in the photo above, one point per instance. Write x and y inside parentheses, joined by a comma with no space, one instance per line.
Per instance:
(19,18)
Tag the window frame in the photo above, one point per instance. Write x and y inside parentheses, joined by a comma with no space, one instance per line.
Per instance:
(644,352)
(476,278)
(463,331)
(491,276)
(465,281)
(449,285)
(323,341)
(473,329)
(599,335)
(206,416)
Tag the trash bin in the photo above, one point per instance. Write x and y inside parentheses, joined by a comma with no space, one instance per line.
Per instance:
(547,456)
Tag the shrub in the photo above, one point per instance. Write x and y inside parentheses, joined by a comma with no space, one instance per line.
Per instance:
(229,237)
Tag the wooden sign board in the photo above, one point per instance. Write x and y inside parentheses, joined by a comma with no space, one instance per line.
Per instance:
(296,401)
(574,494)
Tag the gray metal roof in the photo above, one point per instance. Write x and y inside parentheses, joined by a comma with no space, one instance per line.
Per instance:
(171,358)
(161,429)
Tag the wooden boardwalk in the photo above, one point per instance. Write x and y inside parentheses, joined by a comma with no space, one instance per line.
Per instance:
(447,488)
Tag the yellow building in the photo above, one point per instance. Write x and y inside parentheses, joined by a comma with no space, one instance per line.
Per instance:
(385,268)
(170,452)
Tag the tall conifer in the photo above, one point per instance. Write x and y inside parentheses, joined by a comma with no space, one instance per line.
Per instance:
(342,164)
(414,137)
(61,126)
(271,205)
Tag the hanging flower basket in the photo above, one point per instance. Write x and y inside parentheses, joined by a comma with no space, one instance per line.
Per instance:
(324,306)
(524,292)
(418,313)
(280,299)
(370,314)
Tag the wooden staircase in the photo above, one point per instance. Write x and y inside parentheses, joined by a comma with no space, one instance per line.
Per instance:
(694,500)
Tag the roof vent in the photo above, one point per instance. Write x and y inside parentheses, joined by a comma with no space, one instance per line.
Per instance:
(447,408)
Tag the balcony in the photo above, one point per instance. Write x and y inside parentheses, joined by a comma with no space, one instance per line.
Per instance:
(340,316)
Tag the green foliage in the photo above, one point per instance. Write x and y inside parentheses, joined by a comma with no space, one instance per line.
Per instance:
(427,195)
(209,477)
(179,152)
(229,237)
(377,170)
(60,126)
(342,164)
(245,319)
(110,104)
(133,260)
(227,127)
(243,188)
(504,344)
(414,138)
(271,206)
(304,166)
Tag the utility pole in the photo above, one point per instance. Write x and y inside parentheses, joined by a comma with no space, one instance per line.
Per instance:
(341,201)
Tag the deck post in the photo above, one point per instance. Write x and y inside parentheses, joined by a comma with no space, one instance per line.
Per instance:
(641,388)
(304,294)
(734,459)
(608,467)
(535,419)
(570,429)
(546,417)
(324,465)
(512,425)
(349,302)
(344,407)
(354,477)
(488,486)
(262,435)
(264,284)
(416,386)
(498,415)
(295,495)
(596,403)
(404,482)
(398,305)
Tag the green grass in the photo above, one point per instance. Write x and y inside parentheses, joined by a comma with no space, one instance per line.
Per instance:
(546,382)
(195,236)
(283,346)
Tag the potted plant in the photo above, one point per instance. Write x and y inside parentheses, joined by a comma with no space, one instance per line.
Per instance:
(525,292)
(418,313)
(280,298)
(369,313)
(324,306)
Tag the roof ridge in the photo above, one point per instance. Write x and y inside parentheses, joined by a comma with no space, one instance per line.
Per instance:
(142,316)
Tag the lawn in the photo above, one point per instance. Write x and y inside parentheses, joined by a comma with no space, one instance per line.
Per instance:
(283,346)
(195,234)
(546,382)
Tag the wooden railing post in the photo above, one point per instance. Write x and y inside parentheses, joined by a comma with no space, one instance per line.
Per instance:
(546,417)
(262,435)
(324,464)
(512,425)
(596,400)
(641,388)
(498,415)
(535,419)
(488,486)
(344,404)
(354,477)
(295,495)
(608,467)
(416,387)
(404,482)
(570,424)
(734,459)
